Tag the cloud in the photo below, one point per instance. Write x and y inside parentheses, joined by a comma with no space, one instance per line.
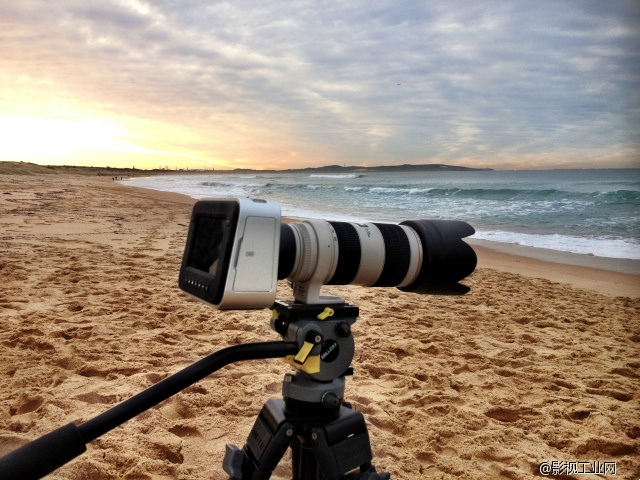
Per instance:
(345,82)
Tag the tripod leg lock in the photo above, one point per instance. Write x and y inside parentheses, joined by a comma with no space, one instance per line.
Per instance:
(268,441)
(232,462)
(343,446)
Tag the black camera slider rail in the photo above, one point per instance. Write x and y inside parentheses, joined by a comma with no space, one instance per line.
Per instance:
(49,452)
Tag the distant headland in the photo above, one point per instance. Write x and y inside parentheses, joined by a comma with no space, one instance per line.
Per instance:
(26,168)
(428,167)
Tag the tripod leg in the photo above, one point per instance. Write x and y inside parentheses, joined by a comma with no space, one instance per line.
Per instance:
(267,443)
(342,445)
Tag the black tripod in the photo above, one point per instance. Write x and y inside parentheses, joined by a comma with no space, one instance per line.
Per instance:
(328,440)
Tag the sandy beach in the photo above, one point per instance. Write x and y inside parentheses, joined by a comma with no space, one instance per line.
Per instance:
(540,362)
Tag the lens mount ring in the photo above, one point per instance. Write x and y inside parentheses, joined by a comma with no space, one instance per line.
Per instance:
(327,248)
(307,246)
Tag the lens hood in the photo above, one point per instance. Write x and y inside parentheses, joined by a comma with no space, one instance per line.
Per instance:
(447,260)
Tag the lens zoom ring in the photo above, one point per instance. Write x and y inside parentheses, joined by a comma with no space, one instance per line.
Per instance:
(349,254)
(397,255)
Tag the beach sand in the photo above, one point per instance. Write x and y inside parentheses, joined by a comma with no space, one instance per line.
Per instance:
(540,362)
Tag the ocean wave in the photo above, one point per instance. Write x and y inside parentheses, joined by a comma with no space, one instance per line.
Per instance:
(509,194)
(233,184)
(619,196)
(340,175)
(289,210)
(396,191)
(489,194)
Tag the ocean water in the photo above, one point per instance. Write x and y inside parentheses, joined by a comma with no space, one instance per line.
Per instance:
(595,212)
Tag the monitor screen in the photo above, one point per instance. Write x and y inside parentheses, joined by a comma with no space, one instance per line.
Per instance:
(208,251)
(209,234)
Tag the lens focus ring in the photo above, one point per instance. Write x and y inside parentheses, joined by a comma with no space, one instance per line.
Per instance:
(349,252)
(397,255)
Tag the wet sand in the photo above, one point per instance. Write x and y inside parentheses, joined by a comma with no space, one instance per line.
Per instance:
(539,362)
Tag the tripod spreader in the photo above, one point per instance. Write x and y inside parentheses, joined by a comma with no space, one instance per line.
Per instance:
(49,452)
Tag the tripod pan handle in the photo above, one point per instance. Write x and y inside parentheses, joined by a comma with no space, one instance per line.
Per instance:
(43,455)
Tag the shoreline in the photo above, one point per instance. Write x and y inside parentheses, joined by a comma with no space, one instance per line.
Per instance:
(602,275)
(619,265)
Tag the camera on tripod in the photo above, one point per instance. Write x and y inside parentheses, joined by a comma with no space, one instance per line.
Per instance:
(237,250)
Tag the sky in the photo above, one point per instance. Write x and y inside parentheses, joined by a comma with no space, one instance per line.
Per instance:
(206,84)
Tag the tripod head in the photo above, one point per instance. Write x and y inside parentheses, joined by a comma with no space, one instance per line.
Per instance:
(325,351)
(323,334)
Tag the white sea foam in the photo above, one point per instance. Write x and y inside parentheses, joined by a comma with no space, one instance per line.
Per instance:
(297,212)
(597,246)
(396,191)
(196,186)
(319,187)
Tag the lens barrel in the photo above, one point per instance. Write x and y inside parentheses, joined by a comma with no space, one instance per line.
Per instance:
(421,256)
